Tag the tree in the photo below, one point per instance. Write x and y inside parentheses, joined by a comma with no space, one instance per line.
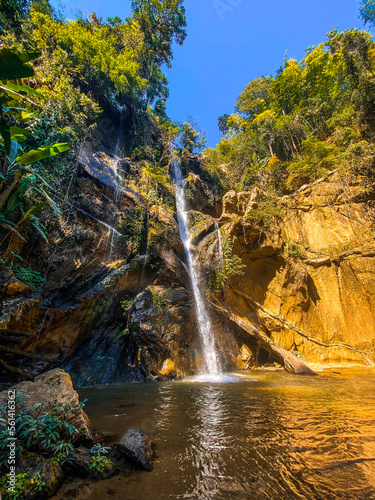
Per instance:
(162,22)
(223,123)
(11,12)
(367,11)
(16,175)
(190,139)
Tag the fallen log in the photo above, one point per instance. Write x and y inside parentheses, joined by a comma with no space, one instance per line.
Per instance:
(17,333)
(287,324)
(16,370)
(289,361)
(27,354)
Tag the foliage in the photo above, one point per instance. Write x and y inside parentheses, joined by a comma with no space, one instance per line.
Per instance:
(294,250)
(122,334)
(160,22)
(293,127)
(160,236)
(232,263)
(158,300)
(265,212)
(18,180)
(195,218)
(43,428)
(134,229)
(367,11)
(11,14)
(33,486)
(31,278)
(190,140)
(99,462)
(359,158)
(126,303)
(230,266)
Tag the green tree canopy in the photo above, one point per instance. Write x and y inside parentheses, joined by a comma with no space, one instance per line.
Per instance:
(367,11)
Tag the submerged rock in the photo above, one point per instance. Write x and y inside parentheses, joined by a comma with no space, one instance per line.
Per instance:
(135,446)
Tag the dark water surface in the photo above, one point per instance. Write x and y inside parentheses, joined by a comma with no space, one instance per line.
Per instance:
(263,436)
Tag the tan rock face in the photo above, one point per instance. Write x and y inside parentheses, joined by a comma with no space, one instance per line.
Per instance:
(54,386)
(310,275)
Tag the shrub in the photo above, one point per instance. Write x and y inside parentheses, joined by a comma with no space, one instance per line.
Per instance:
(99,462)
(264,214)
(48,433)
(23,484)
(126,303)
(294,250)
(31,278)
(134,228)
(158,300)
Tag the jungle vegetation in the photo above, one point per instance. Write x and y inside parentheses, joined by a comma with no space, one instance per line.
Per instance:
(60,77)
(313,116)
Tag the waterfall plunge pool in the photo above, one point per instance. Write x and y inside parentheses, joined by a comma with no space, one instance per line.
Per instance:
(270,435)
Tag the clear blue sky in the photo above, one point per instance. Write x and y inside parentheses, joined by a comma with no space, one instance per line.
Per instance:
(230,42)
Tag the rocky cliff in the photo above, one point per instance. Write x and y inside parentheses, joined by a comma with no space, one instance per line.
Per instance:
(309,271)
(289,280)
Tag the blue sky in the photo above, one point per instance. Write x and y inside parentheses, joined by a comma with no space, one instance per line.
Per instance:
(230,42)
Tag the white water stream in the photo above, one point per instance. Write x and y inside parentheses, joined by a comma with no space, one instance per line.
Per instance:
(211,362)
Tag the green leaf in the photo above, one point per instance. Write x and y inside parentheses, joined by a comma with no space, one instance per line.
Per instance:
(5,134)
(19,138)
(29,113)
(49,199)
(10,225)
(33,211)
(19,130)
(41,153)
(12,64)
(14,202)
(19,134)
(12,155)
(22,89)
(39,226)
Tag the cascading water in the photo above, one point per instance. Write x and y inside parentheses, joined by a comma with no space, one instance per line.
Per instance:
(220,244)
(118,179)
(211,362)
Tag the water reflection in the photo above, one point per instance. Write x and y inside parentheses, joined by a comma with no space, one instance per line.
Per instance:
(206,444)
(278,437)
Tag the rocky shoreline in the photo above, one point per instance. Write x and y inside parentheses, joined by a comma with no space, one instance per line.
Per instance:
(55,442)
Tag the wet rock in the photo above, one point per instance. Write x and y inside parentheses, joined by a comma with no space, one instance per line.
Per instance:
(77,463)
(136,447)
(200,226)
(168,367)
(245,359)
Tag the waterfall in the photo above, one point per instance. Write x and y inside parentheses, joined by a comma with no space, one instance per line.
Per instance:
(118,179)
(211,363)
(220,244)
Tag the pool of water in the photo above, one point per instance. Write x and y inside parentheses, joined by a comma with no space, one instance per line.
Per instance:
(255,436)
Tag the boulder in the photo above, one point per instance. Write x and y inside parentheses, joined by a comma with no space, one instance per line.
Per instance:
(77,463)
(43,474)
(54,386)
(135,446)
